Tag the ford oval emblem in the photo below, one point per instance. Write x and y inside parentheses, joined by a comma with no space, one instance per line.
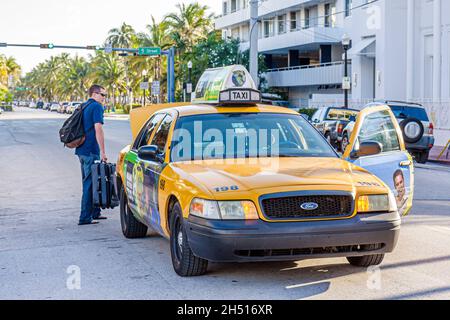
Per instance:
(309,206)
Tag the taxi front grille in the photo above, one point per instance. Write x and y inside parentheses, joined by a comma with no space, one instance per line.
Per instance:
(339,206)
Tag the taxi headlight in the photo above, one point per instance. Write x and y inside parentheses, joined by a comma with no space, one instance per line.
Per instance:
(224,210)
(238,210)
(374,203)
(204,209)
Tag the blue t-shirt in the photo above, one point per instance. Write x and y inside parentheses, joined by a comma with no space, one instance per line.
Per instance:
(91,115)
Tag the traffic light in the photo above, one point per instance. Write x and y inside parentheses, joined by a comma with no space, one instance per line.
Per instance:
(47,46)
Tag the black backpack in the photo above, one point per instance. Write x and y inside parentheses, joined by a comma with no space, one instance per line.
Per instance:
(72,132)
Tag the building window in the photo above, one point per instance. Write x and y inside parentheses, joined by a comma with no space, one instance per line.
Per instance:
(233,5)
(225,8)
(281,24)
(268,28)
(348,8)
(307,18)
(293,21)
(327,15)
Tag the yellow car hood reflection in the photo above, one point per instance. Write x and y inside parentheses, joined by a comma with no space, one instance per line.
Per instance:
(261,173)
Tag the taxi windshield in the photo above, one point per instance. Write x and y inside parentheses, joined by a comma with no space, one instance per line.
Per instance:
(246,135)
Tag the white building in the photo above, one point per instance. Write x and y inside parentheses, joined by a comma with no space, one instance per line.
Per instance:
(400,48)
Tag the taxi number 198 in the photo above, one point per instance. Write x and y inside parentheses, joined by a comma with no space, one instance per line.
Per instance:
(225,189)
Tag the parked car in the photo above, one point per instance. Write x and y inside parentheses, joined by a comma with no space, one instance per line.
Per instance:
(54,107)
(32,105)
(417,129)
(331,121)
(63,107)
(47,106)
(72,106)
(40,105)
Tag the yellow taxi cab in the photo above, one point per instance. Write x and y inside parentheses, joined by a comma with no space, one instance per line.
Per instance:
(227,179)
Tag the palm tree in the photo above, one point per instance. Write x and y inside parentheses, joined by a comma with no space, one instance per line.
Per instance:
(3,72)
(108,71)
(122,37)
(13,68)
(190,25)
(78,80)
(158,35)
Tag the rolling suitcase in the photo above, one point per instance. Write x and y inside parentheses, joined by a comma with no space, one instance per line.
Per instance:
(104,185)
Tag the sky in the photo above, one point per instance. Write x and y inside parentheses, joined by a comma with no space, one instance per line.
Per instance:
(74,22)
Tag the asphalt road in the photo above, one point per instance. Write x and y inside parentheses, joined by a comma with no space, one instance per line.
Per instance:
(43,250)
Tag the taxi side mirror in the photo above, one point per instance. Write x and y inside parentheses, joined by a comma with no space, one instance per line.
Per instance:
(368,148)
(149,153)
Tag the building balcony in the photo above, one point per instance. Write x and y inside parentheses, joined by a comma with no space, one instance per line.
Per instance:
(241,15)
(308,39)
(311,75)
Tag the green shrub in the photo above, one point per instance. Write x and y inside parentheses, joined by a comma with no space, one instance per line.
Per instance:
(6,108)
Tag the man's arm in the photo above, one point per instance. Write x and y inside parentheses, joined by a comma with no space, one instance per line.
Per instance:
(99,134)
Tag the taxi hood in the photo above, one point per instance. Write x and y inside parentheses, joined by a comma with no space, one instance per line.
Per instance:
(261,173)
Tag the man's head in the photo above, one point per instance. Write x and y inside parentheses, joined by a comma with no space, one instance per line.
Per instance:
(399,183)
(98,93)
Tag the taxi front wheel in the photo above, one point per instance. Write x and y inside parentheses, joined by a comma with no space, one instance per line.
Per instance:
(367,261)
(131,228)
(184,262)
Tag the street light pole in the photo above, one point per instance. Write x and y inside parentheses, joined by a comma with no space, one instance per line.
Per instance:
(189,85)
(144,79)
(346,86)
(254,40)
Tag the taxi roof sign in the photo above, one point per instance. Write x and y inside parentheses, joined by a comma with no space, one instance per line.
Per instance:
(227,85)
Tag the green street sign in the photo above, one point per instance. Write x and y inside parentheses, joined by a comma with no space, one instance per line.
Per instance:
(149,51)
(22,89)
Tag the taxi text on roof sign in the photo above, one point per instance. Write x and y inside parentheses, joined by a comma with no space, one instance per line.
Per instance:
(227,85)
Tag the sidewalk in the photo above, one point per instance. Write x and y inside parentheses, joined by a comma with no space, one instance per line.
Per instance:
(117,116)
(436,151)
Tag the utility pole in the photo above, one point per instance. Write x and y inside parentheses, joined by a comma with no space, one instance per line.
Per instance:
(254,33)
(346,83)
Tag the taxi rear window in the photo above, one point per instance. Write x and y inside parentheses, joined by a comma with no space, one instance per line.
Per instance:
(249,135)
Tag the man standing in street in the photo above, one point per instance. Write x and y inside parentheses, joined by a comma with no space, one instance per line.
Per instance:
(93,149)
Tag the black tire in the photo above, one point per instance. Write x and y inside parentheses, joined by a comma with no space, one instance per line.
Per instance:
(131,227)
(184,262)
(344,143)
(416,139)
(369,260)
(422,157)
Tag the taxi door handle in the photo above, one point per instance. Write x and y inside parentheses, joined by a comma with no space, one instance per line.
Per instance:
(406,163)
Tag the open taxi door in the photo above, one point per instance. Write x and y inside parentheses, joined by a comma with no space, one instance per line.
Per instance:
(377,145)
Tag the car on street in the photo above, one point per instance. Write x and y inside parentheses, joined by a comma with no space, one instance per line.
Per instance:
(32,105)
(330,121)
(417,129)
(228,179)
(40,105)
(63,107)
(47,106)
(54,107)
(72,106)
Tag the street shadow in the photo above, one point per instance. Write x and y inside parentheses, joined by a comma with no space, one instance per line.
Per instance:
(418,294)
(302,281)
(308,281)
